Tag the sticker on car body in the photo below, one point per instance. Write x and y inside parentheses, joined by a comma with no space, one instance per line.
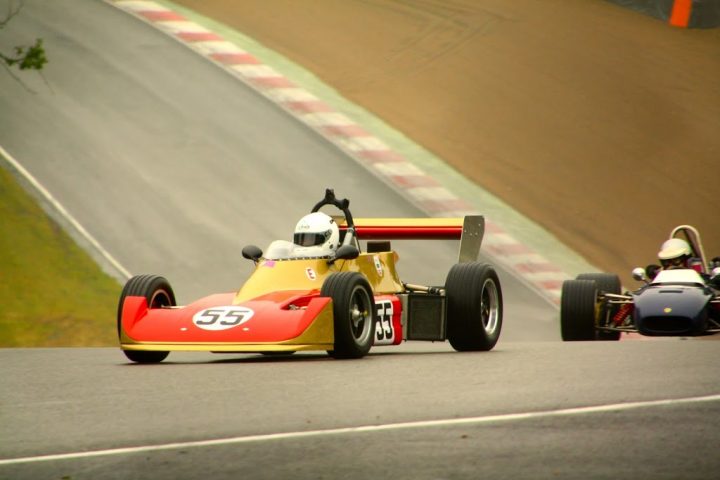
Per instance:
(222,318)
(378,265)
(384,328)
(311,275)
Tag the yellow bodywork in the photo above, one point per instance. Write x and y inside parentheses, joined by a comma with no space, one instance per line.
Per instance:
(277,275)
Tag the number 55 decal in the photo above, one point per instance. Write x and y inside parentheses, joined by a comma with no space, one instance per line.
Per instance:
(222,318)
(384,331)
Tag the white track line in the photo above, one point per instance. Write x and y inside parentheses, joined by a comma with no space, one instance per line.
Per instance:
(64,213)
(613,407)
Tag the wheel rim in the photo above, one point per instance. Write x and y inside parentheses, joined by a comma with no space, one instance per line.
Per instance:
(360,315)
(159,299)
(489,306)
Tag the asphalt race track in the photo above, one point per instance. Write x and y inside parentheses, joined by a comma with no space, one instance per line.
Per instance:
(173,166)
(279,418)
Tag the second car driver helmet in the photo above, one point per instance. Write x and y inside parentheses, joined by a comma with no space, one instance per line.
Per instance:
(316,234)
(674,253)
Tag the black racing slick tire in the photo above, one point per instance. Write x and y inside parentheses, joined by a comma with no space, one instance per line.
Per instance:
(354,315)
(474,307)
(608,283)
(578,299)
(158,293)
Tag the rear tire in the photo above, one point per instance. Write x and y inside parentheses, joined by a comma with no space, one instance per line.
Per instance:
(474,307)
(577,310)
(158,293)
(608,283)
(354,315)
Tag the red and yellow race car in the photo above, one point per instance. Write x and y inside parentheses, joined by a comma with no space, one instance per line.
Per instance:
(323,292)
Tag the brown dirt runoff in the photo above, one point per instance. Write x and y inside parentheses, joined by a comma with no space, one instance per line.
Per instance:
(598,123)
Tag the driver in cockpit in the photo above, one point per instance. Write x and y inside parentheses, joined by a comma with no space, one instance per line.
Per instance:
(676,253)
(316,235)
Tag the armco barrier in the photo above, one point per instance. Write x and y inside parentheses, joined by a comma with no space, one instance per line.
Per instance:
(678,13)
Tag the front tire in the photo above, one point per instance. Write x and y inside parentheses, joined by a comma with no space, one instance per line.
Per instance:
(608,283)
(158,293)
(474,307)
(578,299)
(353,313)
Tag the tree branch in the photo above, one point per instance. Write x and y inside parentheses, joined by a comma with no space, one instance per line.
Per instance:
(26,58)
(11,13)
(17,79)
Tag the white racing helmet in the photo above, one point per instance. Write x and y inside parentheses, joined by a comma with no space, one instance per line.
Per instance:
(316,235)
(674,253)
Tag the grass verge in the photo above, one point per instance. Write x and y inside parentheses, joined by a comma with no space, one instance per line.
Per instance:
(52,293)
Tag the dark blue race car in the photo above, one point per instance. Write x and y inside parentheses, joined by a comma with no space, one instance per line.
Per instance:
(671,302)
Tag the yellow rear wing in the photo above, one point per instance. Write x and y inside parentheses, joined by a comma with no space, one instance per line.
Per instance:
(469,230)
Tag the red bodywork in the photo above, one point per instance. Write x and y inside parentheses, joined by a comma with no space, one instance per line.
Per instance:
(175,325)
(273,321)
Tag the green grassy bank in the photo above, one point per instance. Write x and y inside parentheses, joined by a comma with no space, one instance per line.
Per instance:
(51,292)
